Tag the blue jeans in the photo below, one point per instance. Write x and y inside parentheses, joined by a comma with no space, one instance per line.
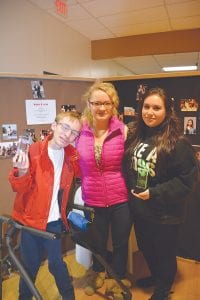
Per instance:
(32,251)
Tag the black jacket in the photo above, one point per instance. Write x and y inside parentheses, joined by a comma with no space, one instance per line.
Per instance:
(169,188)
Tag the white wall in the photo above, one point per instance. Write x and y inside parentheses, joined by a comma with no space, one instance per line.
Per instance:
(32,41)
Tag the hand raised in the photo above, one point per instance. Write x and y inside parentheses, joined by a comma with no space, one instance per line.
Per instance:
(21,161)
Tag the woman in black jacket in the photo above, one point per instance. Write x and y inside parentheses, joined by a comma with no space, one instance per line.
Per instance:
(160,170)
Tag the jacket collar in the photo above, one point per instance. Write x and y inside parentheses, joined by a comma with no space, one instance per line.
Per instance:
(114,125)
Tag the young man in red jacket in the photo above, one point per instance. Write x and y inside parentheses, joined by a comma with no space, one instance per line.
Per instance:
(38,176)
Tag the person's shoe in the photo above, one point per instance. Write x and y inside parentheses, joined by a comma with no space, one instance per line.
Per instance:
(146,282)
(161,294)
(118,296)
(95,282)
(113,289)
(127,283)
(100,280)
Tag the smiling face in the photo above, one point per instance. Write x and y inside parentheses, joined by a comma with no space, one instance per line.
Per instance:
(64,132)
(101,106)
(153,110)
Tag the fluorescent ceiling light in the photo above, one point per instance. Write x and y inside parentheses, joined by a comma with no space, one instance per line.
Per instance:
(182,68)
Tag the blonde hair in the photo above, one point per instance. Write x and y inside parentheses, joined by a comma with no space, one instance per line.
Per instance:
(70,114)
(106,87)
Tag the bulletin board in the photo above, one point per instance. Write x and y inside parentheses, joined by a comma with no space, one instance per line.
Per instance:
(15,90)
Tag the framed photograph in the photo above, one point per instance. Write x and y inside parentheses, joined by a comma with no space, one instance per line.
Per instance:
(197,151)
(141,90)
(129,111)
(190,125)
(37,89)
(7,149)
(68,107)
(188,104)
(44,133)
(9,131)
(30,132)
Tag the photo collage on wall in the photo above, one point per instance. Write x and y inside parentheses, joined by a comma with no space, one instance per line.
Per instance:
(189,108)
(8,147)
(10,139)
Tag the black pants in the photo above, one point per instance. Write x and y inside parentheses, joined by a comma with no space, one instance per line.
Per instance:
(158,243)
(117,217)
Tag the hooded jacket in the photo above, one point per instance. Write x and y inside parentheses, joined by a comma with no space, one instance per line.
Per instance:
(35,188)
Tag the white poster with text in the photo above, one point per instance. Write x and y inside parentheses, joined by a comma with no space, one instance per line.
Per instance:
(40,111)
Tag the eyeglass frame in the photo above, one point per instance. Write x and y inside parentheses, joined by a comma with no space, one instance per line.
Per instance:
(97,104)
(65,127)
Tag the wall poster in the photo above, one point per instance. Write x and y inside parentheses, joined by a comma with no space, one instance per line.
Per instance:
(40,111)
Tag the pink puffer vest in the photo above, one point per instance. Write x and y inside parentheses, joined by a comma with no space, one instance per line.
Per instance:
(103,186)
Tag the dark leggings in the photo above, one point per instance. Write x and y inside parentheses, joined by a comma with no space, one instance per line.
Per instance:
(158,243)
(117,217)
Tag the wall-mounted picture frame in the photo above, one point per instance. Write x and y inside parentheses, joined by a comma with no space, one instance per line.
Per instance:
(9,131)
(8,149)
(37,89)
(197,151)
(189,104)
(67,107)
(141,90)
(190,125)
(44,133)
(129,111)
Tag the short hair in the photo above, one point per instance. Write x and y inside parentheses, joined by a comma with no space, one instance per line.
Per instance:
(69,114)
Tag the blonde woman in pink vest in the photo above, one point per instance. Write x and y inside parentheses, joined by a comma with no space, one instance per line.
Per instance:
(101,148)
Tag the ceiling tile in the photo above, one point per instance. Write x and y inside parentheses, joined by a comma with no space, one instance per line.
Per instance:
(184,9)
(90,28)
(177,1)
(44,4)
(185,23)
(156,14)
(177,59)
(101,8)
(143,28)
(140,65)
(76,12)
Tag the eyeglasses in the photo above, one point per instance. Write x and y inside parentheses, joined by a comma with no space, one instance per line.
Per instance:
(99,104)
(67,128)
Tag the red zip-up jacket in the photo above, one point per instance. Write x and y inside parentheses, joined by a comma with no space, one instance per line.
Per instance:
(35,188)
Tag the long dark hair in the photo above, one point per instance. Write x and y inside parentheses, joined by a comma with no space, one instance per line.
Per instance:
(165,135)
